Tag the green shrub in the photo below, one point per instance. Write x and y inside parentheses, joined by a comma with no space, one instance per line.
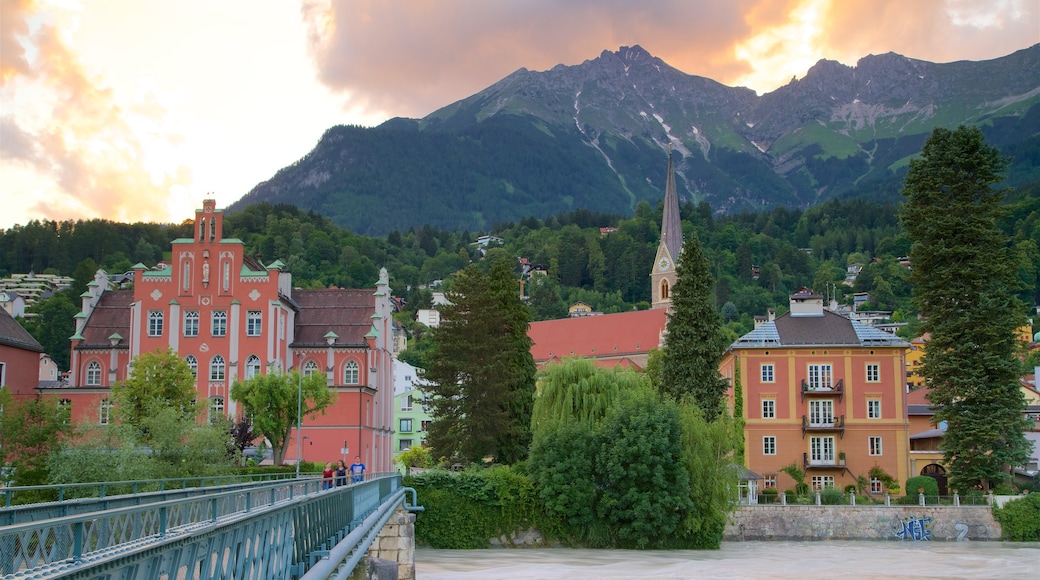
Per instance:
(832,496)
(1020,519)
(917,483)
(851,488)
(1005,488)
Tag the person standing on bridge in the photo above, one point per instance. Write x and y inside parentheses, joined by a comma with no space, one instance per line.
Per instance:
(326,476)
(341,473)
(357,470)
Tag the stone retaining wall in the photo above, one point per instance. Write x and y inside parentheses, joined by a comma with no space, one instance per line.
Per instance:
(396,543)
(829,522)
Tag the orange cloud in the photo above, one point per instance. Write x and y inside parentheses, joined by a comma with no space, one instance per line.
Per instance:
(410,58)
(72,129)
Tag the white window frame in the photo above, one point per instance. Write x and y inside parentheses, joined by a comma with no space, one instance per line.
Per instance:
(253,366)
(254,323)
(218,323)
(873,408)
(821,450)
(822,482)
(873,373)
(217,368)
(191,323)
(769,445)
(104,412)
(820,376)
(769,481)
(769,408)
(406,403)
(155,323)
(821,413)
(874,446)
(351,373)
(310,368)
(216,408)
(768,373)
(193,364)
(93,377)
(875,485)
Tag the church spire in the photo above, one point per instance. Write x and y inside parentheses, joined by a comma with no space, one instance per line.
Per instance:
(671,229)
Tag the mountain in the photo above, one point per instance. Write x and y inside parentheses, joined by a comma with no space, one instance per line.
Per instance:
(595,136)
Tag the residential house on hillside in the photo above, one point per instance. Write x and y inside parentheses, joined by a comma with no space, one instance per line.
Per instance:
(823,392)
(410,414)
(19,358)
(231,318)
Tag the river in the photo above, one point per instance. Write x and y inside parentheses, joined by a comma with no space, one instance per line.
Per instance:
(737,560)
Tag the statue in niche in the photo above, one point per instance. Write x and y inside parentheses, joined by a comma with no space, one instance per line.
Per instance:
(205,273)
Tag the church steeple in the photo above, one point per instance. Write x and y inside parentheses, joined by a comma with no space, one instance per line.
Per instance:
(663,275)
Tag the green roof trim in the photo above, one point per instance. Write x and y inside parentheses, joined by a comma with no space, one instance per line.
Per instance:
(372,333)
(86,294)
(115,336)
(331,334)
(235,301)
(173,302)
(80,315)
(77,336)
(276,265)
(167,271)
(139,266)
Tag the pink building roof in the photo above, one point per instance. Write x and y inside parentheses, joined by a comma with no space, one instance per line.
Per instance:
(614,336)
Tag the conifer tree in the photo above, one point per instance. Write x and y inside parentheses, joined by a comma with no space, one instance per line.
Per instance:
(695,343)
(965,286)
(481,372)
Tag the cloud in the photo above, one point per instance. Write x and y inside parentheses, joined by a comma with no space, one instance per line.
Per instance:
(74,130)
(410,58)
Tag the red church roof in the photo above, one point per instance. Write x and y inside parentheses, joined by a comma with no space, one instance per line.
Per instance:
(613,336)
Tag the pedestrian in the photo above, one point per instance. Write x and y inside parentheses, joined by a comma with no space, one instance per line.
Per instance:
(341,473)
(357,470)
(326,476)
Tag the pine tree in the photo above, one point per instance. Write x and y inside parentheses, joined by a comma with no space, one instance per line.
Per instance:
(480,369)
(965,286)
(695,343)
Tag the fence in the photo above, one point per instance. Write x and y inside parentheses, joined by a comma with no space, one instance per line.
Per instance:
(836,497)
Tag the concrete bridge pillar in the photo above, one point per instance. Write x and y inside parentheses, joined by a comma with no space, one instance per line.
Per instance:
(395,544)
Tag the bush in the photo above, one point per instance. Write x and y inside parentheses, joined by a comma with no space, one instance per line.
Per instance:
(1020,519)
(917,483)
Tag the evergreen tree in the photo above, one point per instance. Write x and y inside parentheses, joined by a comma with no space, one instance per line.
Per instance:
(480,369)
(695,343)
(964,277)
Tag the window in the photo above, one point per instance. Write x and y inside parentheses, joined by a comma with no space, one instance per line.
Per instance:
(404,445)
(3,374)
(770,481)
(873,373)
(767,373)
(193,364)
(103,412)
(875,485)
(821,450)
(155,323)
(874,445)
(406,403)
(218,325)
(94,374)
(769,445)
(252,366)
(819,377)
(191,323)
(821,482)
(873,408)
(425,426)
(310,368)
(253,326)
(216,408)
(217,368)
(406,426)
(768,409)
(821,413)
(350,373)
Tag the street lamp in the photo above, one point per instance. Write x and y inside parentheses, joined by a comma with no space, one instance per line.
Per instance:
(299,413)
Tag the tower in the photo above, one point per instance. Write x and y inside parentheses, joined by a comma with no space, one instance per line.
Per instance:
(663,274)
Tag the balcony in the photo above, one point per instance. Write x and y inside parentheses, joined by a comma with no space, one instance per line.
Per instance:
(810,464)
(836,424)
(837,389)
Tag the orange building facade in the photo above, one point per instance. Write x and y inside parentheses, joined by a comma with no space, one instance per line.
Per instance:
(823,392)
(231,317)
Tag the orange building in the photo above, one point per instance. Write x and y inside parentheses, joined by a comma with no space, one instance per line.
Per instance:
(823,392)
(231,317)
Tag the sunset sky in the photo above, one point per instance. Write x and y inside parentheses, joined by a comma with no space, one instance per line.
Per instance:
(137,110)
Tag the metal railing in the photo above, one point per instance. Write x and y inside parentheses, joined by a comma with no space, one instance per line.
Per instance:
(873,500)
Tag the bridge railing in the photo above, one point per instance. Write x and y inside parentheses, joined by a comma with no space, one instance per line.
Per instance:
(269,531)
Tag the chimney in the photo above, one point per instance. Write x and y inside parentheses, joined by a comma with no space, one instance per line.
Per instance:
(771,314)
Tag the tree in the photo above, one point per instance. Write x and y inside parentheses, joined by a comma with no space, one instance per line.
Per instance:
(964,276)
(695,343)
(30,429)
(480,373)
(272,401)
(53,324)
(158,380)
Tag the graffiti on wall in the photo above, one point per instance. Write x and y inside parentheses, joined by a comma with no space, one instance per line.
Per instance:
(915,529)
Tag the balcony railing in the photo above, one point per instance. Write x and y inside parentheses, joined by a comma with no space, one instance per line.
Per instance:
(836,463)
(837,388)
(836,424)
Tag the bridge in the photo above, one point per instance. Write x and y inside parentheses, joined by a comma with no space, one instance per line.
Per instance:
(200,528)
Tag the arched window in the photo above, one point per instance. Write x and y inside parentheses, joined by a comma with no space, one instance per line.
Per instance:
(216,408)
(351,374)
(216,368)
(252,366)
(193,364)
(226,277)
(191,323)
(665,289)
(94,374)
(155,323)
(310,368)
(186,275)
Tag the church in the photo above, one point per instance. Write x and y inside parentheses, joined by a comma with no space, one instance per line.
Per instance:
(230,318)
(625,338)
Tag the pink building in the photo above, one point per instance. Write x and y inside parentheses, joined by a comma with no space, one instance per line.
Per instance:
(231,317)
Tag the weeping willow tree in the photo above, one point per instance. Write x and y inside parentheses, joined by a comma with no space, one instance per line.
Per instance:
(577,390)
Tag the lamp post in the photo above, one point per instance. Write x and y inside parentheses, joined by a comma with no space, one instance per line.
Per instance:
(299,414)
